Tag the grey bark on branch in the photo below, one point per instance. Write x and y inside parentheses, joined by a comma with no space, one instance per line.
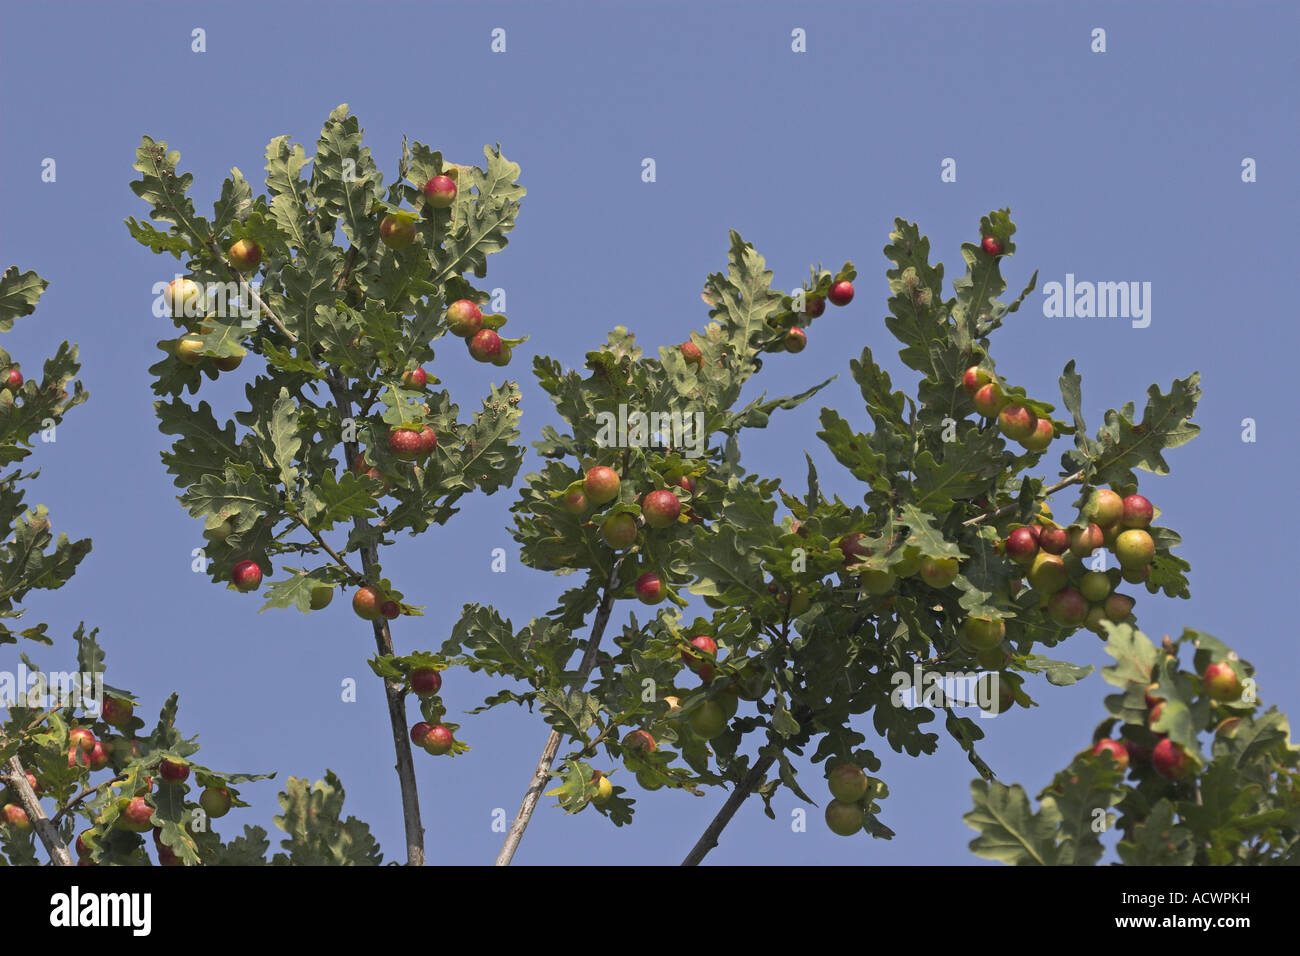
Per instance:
(394,692)
(709,838)
(46,830)
(542,773)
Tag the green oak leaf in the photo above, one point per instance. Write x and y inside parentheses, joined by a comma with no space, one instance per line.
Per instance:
(1010,831)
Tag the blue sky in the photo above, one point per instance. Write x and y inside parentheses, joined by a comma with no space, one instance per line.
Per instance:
(1122,166)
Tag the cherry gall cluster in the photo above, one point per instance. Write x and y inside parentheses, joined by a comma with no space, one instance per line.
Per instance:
(134,815)
(1167,758)
(85,750)
(436,739)
(703,651)
(134,811)
(849,786)
(795,339)
(661,509)
(938,573)
(642,742)
(1051,558)
(415,443)
(188,350)
(1015,421)
(464,317)
(412,442)
(465,320)
(185,299)
(370,604)
(398,231)
(707,715)
(488,347)
(1222,684)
